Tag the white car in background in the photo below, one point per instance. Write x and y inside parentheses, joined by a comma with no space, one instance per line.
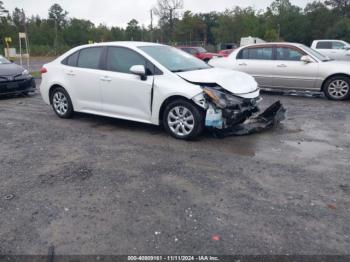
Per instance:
(290,66)
(334,49)
(149,83)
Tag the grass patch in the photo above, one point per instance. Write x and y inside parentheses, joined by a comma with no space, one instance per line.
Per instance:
(36,74)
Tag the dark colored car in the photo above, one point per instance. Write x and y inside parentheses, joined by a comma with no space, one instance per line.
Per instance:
(199,52)
(14,78)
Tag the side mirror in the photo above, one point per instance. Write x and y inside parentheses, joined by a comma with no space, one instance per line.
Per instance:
(12,61)
(139,70)
(347,47)
(306,59)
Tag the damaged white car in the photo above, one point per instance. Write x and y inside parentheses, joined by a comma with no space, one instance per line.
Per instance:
(155,84)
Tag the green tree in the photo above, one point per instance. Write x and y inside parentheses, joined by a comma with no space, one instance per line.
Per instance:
(78,32)
(271,35)
(340,30)
(318,18)
(18,18)
(191,28)
(168,13)
(58,16)
(341,7)
(133,31)
(3,11)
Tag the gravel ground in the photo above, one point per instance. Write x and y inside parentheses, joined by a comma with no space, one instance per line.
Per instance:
(95,185)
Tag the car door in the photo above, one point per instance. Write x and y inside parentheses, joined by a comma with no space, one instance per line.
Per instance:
(83,75)
(258,62)
(126,95)
(291,72)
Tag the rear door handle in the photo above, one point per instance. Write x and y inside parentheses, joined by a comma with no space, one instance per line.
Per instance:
(281,65)
(106,79)
(242,64)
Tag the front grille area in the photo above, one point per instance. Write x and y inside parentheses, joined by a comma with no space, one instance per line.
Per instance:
(15,86)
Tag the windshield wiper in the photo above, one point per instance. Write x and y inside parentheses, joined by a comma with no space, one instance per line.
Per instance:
(178,71)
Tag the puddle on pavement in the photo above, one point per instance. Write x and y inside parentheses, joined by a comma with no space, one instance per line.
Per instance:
(309,149)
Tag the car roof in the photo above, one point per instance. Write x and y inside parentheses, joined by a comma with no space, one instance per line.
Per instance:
(274,43)
(132,44)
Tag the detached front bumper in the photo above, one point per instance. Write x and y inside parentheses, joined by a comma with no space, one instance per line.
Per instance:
(271,117)
(229,115)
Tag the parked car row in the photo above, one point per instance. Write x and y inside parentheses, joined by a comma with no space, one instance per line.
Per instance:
(155,84)
(290,66)
(162,85)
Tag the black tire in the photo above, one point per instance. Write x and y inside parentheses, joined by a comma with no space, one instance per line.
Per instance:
(68,109)
(185,119)
(330,86)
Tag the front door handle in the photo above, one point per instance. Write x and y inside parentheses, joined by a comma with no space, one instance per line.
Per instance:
(281,65)
(242,64)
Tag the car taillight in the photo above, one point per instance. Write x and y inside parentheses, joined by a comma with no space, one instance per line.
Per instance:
(43,70)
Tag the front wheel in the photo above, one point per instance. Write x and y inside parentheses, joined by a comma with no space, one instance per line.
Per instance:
(183,120)
(337,88)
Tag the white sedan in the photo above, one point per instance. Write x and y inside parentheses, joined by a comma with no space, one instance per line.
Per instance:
(149,83)
(290,66)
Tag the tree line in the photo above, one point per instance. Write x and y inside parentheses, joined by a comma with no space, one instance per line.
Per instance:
(281,20)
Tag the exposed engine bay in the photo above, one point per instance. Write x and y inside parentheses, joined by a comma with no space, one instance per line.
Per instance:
(231,115)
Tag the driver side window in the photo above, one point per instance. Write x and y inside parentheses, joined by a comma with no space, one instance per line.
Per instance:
(121,59)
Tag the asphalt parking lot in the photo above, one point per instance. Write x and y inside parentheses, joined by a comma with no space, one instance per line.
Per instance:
(95,185)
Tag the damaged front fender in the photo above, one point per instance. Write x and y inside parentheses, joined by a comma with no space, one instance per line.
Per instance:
(229,115)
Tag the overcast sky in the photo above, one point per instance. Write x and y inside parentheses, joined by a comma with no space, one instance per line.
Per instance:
(120,12)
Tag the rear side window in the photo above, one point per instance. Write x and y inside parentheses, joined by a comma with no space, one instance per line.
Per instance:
(259,53)
(90,57)
(73,59)
(324,45)
(288,54)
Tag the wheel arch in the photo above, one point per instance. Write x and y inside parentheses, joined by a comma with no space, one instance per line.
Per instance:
(56,85)
(167,102)
(329,77)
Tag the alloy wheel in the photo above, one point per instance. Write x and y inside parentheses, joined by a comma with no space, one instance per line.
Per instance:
(338,88)
(181,121)
(60,103)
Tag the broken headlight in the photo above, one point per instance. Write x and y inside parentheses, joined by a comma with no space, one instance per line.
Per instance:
(222,99)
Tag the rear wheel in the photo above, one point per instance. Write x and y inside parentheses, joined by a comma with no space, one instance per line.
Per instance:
(61,103)
(337,88)
(183,120)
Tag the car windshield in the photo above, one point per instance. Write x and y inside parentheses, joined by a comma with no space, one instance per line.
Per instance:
(316,54)
(174,59)
(3,60)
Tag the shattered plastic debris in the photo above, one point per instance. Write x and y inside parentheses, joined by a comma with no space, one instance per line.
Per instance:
(215,238)
(267,120)
(9,197)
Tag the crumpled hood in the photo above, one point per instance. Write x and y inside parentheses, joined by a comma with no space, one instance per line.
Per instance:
(237,83)
(10,69)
